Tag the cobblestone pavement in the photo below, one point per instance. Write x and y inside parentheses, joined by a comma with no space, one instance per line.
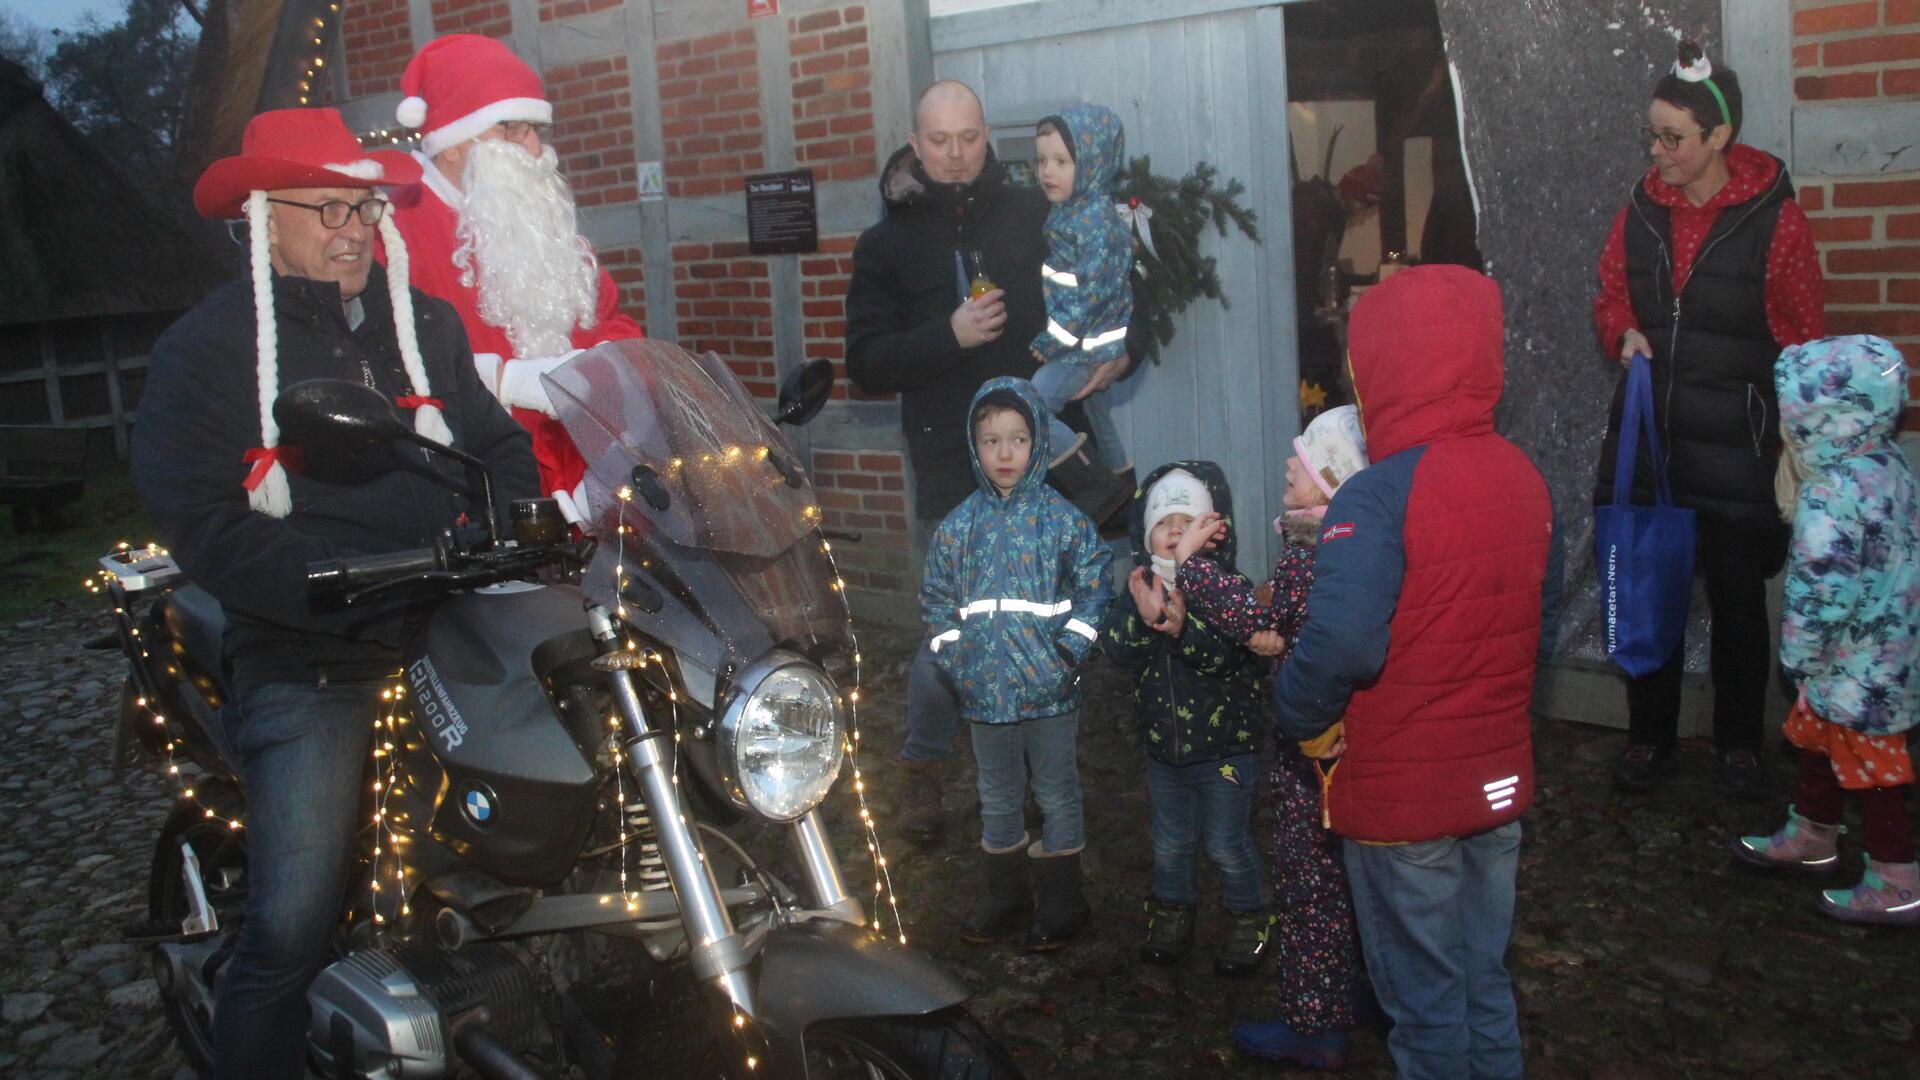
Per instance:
(1640,951)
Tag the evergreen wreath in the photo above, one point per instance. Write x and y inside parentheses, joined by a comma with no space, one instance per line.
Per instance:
(1169,271)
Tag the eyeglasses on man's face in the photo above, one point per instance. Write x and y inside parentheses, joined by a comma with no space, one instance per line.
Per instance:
(1669,139)
(518,130)
(334,213)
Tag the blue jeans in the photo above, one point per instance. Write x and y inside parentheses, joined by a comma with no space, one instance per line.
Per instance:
(1434,918)
(933,710)
(1057,382)
(303,754)
(1204,803)
(1005,753)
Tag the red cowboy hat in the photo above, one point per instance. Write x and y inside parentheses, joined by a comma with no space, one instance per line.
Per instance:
(296,148)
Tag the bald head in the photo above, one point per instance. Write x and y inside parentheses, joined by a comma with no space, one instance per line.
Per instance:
(950,132)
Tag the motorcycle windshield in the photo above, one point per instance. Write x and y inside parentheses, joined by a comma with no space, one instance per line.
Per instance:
(719,516)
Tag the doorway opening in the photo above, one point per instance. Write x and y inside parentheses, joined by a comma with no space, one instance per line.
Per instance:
(1379,179)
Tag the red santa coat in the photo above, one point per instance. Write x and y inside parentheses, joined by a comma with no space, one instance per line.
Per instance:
(427,223)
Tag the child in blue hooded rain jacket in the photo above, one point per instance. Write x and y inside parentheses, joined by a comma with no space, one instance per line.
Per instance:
(1850,635)
(1088,290)
(1014,596)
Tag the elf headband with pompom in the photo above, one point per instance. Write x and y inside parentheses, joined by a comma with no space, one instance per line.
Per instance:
(308,148)
(460,85)
(1694,67)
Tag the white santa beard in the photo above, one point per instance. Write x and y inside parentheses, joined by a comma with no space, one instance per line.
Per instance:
(519,248)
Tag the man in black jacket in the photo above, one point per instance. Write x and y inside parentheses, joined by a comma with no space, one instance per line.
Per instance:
(244,518)
(913,331)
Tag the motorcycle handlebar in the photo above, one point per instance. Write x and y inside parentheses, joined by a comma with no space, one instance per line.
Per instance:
(335,576)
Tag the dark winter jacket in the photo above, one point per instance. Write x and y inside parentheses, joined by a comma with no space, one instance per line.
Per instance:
(1197,696)
(1713,355)
(1016,586)
(907,281)
(1234,607)
(199,415)
(1431,580)
(1088,276)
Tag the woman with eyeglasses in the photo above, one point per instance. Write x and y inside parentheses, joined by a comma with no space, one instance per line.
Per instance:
(1709,271)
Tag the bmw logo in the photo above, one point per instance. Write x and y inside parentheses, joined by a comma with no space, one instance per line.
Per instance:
(478,805)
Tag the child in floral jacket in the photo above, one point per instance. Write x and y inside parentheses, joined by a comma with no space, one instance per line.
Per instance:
(1850,639)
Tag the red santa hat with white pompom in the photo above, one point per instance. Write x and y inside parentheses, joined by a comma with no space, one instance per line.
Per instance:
(460,85)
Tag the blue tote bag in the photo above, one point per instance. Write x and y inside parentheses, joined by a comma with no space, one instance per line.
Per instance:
(1642,555)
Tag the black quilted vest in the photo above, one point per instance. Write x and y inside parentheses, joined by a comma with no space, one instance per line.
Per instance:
(1713,357)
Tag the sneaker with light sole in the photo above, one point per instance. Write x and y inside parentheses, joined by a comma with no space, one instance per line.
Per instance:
(1888,894)
(1803,846)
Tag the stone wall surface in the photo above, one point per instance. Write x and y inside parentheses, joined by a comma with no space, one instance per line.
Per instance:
(1553,103)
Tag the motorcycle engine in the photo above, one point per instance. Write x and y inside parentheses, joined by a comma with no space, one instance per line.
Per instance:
(384,1014)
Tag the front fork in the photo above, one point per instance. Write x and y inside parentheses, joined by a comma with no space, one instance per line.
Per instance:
(718,953)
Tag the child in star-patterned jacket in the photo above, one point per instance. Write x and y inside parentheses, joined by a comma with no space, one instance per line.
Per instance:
(1316,938)
(1198,700)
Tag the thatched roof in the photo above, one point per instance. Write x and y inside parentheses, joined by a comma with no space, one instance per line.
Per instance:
(224,88)
(77,238)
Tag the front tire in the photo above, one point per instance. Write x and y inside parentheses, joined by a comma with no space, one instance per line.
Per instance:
(945,1045)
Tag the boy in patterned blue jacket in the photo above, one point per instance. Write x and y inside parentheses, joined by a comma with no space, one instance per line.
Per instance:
(1078,154)
(1014,595)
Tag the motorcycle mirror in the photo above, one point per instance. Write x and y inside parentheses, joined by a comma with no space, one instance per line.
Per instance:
(804,392)
(342,417)
(336,415)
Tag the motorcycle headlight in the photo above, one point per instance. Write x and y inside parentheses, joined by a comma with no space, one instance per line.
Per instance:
(780,739)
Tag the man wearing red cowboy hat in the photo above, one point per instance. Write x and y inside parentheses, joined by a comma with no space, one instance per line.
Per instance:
(492,229)
(244,517)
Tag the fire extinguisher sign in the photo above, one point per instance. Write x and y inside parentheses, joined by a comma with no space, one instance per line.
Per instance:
(760,9)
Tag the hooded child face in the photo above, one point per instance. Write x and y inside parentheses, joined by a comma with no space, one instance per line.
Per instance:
(1009,450)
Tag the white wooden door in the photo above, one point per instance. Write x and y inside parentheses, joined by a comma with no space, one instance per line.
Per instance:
(1192,81)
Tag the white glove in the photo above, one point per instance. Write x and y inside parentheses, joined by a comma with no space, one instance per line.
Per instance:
(520,386)
(573,506)
(487,366)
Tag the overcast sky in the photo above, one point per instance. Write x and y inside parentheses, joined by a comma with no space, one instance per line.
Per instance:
(59,14)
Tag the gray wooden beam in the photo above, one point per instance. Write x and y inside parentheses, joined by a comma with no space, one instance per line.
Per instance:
(584,37)
(1051,18)
(649,144)
(1856,140)
(420,24)
(1759,46)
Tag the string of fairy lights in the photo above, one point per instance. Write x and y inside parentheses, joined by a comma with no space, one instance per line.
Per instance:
(103,581)
(392,716)
(317,63)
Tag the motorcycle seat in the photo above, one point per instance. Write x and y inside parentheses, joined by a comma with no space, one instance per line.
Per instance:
(197,622)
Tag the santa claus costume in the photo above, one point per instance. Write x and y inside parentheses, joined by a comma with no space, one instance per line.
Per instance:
(502,245)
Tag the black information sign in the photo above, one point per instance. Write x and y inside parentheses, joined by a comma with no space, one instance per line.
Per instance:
(781,217)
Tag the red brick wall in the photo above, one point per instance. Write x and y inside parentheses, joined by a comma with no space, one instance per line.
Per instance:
(627,267)
(723,301)
(866,492)
(832,95)
(1868,227)
(561,9)
(490,17)
(593,130)
(710,113)
(378,41)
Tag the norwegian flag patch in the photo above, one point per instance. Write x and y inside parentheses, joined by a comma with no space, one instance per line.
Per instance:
(1336,532)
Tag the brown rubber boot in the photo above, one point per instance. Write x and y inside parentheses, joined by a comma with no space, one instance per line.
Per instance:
(923,784)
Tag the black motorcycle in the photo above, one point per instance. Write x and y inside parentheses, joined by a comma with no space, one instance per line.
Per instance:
(594,844)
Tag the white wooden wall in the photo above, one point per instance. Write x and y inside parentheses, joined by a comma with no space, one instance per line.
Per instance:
(1192,80)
